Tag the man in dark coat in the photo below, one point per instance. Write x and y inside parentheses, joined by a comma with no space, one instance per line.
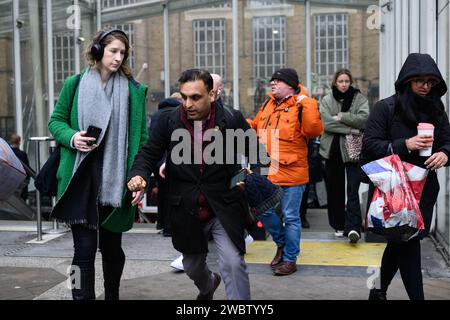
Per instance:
(201,201)
(392,128)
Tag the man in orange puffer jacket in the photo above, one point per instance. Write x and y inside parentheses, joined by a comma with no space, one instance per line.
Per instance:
(285,122)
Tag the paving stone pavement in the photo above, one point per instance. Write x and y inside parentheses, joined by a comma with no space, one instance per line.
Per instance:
(38,271)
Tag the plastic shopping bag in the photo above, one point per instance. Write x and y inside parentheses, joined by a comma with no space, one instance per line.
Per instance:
(394,211)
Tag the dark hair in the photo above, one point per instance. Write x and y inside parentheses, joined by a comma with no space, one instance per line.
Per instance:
(339,73)
(124,67)
(191,75)
(14,138)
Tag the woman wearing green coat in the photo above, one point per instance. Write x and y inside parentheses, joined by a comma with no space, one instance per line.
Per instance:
(344,111)
(92,195)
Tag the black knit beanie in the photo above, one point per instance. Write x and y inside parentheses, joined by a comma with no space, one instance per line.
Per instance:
(288,76)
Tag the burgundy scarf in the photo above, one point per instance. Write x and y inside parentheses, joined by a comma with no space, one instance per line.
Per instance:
(204,211)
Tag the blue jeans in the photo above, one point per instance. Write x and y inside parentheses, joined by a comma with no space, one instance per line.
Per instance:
(286,236)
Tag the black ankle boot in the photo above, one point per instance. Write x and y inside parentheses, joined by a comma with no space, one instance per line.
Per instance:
(85,289)
(377,294)
(112,272)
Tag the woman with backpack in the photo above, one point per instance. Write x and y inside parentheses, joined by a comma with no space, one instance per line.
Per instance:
(92,196)
(392,128)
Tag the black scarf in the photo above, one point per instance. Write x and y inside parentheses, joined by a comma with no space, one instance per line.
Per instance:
(345,97)
(414,108)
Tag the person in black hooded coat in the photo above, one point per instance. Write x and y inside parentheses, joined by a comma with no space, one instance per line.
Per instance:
(392,127)
(163,223)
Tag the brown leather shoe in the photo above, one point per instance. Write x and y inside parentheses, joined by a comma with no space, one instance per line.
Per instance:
(276,261)
(210,294)
(286,268)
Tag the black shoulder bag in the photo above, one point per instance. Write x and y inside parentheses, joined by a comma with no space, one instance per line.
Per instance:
(46,181)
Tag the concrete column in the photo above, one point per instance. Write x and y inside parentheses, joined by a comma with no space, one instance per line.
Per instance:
(387,56)
(405,30)
(414,26)
(398,34)
(98,9)
(428,27)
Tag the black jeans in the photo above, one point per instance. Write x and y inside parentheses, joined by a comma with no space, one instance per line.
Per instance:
(406,257)
(338,217)
(113,259)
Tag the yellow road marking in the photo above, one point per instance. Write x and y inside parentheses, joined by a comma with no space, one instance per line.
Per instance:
(322,253)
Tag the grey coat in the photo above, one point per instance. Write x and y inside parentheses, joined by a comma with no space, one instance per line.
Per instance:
(355,118)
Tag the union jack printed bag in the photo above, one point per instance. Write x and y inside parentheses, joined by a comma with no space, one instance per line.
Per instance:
(394,211)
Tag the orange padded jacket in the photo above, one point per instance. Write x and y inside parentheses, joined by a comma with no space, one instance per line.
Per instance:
(286,138)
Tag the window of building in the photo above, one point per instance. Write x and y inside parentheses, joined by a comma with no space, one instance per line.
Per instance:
(116,3)
(269,46)
(225,4)
(63,57)
(331,46)
(263,3)
(209,45)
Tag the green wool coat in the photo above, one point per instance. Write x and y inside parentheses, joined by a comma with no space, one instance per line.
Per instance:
(355,118)
(63,126)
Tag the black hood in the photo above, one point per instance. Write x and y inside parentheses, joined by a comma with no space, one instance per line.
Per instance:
(419,64)
(168,103)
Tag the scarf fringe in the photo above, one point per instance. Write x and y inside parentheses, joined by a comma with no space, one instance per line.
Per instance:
(78,221)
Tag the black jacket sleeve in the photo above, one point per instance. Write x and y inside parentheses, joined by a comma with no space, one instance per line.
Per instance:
(444,135)
(153,151)
(377,141)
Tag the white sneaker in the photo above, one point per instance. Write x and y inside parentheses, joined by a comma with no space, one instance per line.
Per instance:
(248,240)
(178,263)
(354,236)
(339,233)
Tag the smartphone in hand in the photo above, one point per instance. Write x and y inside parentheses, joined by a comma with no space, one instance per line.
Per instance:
(93,132)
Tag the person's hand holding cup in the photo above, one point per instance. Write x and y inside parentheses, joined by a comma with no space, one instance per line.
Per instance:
(426,129)
(423,141)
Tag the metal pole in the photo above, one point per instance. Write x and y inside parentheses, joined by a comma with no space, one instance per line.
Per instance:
(99,14)
(17,68)
(56,229)
(308,44)
(37,72)
(235,55)
(76,35)
(38,194)
(166,50)
(50,75)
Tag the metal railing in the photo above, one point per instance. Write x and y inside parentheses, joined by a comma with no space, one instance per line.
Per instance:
(56,229)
